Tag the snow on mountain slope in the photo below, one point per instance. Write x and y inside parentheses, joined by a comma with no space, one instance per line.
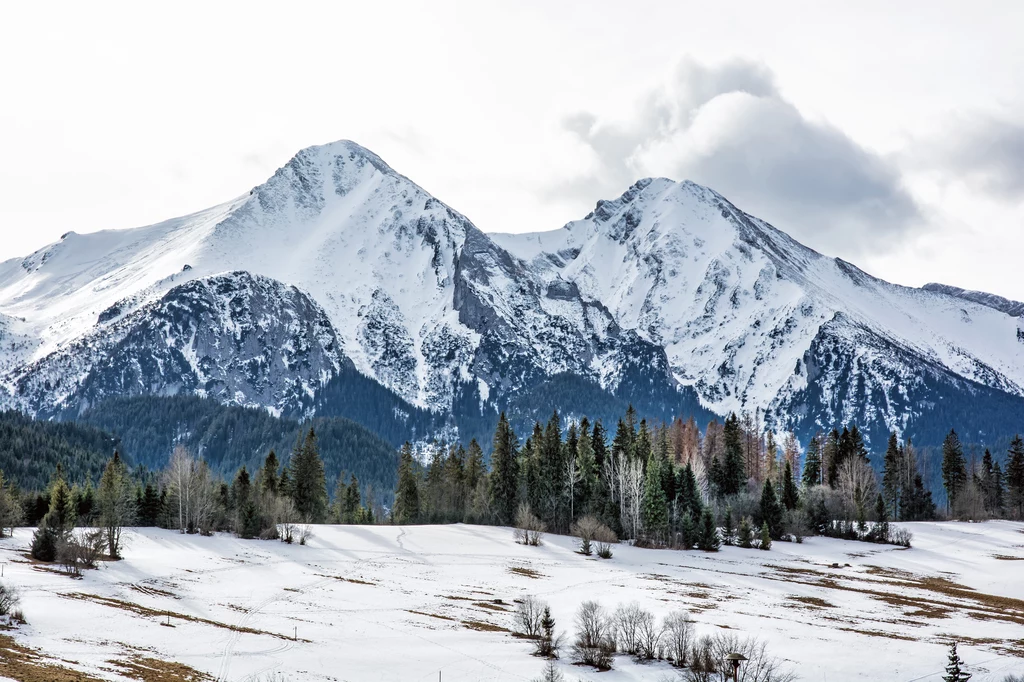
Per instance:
(1006,305)
(737,303)
(420,298)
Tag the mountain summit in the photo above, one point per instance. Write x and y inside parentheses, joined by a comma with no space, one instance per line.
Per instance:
(337,266)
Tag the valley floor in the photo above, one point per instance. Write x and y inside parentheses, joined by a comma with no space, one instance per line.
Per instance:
(405,603)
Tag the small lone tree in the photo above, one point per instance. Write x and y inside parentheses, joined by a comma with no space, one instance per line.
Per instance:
(528,528)
(708,539)
(551,674)
(953,672)
(728,527)
(116,503)
(745,535)
(766,537)
(548,642)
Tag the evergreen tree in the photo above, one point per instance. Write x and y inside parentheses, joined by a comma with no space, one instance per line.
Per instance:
(709,540)
(954,468)
(688,531)
(881,530)
(551,472)
(407,494)
(766,537)
(149,507)
(953,668)
(475,471)
(688,496)
(504,488)
(790,495)
(267,479)
(1015,477)
(351,502)
(893,476)
(920,506)
(624,441)
(588,472)
(990,483)
(728,527)
(62,513)
(831,457)
(745,534)
(771,510)
(309,485)
(654,513)
(812,463)
(733,474)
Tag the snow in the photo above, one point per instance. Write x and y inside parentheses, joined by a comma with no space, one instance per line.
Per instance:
(390,603)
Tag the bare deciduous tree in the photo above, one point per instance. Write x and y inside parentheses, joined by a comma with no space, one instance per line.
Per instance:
(594,644)
(529,611)
(529,529)
(678,637)
(649,635)
(627,620)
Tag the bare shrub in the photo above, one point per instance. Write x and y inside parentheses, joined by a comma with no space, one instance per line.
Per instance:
(551,674)
(586,531)
(649,637)
(678,637)
(707,660)
(9,600)
(80,550)
(605,538)
(594,644)
(305,533)
(627,619)
(529,612)
(900,536)
(549,642)
(529,528)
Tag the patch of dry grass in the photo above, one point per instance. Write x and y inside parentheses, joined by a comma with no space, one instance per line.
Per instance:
(528,572)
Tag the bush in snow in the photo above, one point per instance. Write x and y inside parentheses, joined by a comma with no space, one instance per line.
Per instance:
(548,643)
(551,674)
(529,528)
(594,644)
(627,619)
(707,660)
(81,550)
(745,535)
(9,599)
(585,530)
(678,629)
(529,612)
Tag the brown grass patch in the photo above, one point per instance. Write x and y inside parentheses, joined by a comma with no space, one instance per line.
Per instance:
(140,610)
(482,626)
(1006,557)
(528,572)
(490,607)
(148,669)
(430,615)
(816,602)
(342,578)
(152,591)
(20,663)
(456,598)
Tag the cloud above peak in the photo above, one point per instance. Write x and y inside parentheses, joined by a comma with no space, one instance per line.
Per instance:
(728,126)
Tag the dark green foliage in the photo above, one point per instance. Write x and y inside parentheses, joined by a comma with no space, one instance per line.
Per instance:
(654,513)
(771,515)
(1015,477)
(149,427)
(954,671)
(790,495)
(880,531)
(812,462)
(954,468)
(44,543)
(504,483)
(918,503)
(309,491)
(709,541)
(688,495)
(407,496)
(728,527)
(745,534)
(688,532)
(149,506)
(732,474)
(766,537)
(30,450)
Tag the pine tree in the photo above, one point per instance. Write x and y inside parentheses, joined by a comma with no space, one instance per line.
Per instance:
(790,495)
(892,478)
(881,529)
(504,484)
(266,478)
(733,473)
(954,468)
(709,540)
(771,510)
(688,531)
(309,484)
(474,466)
(728,527)
(766,537)
(812,463)
(546,643)
(688,495)
(832,456)
(407,494)
(745,534)
(1015,477)
(953,671)
(654,513)
(587,465)
(351,502)
(62,513)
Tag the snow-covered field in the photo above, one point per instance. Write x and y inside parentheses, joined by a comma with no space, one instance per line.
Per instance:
(405,603)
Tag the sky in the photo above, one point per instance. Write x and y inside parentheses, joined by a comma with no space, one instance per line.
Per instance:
(887,134)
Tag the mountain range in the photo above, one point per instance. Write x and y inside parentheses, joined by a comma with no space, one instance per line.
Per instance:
(339,287)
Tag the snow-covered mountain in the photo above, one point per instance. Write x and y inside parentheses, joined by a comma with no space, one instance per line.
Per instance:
(338,265)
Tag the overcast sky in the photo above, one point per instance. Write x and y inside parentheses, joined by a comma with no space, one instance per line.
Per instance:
(889,134)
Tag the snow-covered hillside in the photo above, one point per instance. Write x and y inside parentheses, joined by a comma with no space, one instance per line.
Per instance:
(669,290)
(404,603)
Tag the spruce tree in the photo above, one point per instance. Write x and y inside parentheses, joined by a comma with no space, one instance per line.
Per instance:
(733,473)
(116,503)
(504,484)
(407,494)
(351,502)
(709,540)
(790,495)
(745,534)
(589,474)
(267,478)
(688,531)
(766,537)
(812,463)
(893,476)
(954,673)
(832,456)
(954,468)
(309,483)
(475,470)
(1015,477)
(881,529)
(62,513)
(654,512)
(771,510)
(728,527)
